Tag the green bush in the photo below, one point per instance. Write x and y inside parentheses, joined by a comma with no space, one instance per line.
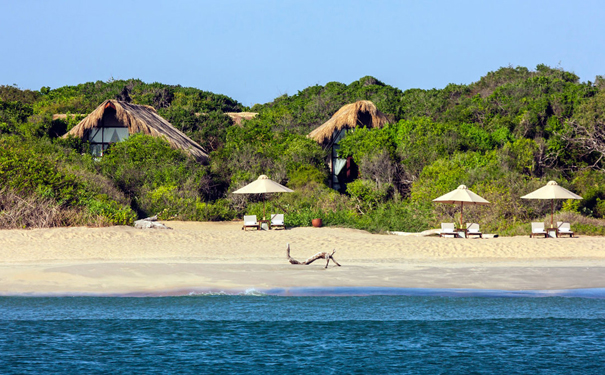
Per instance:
(591,186)
(404,217)
(209,130)
(305,175)
(27,172)
(219,210)
(367,194)
(112,211)
(400,217)
(154,175)
(40,177)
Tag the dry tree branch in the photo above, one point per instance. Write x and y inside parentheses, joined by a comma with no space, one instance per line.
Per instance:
(320,255)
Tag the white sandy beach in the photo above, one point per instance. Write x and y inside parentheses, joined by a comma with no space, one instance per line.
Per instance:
(220,256)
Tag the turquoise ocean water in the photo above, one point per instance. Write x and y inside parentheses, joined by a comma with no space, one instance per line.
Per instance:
(434,333)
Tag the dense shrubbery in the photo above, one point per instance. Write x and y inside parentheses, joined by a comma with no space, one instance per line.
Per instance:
(87,96)
(207,129)
(502,136)
(38,192)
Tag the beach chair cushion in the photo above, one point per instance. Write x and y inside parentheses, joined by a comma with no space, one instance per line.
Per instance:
(537,228)
(472,228)
(250,221)
(448,229)
(564,227)
(277,219)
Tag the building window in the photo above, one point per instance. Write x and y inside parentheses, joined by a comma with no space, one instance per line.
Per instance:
(101,138)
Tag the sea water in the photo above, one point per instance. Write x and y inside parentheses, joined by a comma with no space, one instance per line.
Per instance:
(262,334)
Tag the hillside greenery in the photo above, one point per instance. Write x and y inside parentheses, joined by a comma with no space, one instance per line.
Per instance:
(503,136)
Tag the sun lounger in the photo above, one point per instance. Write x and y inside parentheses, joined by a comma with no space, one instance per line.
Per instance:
(472,229)
(250,222)
(448,229)
(277,220)
(537,229)
(564,228)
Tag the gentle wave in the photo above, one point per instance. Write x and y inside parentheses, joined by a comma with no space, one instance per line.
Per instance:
(598,293)
(248,292)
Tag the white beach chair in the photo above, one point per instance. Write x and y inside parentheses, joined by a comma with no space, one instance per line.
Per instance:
(472,229)
(564,228)
(277,220)
(250,222)
(537,229)
(448,229)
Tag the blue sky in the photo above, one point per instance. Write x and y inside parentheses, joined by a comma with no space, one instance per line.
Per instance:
(255,51)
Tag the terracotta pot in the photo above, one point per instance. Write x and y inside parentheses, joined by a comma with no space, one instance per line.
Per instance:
(316,223)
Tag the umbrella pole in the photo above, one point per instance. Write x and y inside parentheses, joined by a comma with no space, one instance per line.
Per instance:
(461,212)
(552,212)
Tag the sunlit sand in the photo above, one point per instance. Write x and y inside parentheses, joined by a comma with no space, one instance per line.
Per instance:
(220,256)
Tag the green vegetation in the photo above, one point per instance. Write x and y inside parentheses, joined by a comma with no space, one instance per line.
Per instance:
(502,136)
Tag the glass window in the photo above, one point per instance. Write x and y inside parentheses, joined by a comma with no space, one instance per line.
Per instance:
(101,138)
(339,135)
(95,135)
(96,149)
(113,135)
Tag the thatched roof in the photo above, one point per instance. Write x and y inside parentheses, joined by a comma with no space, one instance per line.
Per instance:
(140,119)
(236,117)
(363,112)
(64,116)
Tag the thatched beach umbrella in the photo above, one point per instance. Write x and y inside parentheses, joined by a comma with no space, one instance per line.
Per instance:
(104,123)
(461,195)
(551,191)
(263,185)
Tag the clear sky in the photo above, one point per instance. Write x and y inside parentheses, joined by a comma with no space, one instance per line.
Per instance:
(256,50)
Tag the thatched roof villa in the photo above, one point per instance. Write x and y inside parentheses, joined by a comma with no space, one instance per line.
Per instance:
(362,113)
(114,120)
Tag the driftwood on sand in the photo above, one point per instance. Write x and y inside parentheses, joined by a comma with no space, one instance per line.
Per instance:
(321,255)
(150,223)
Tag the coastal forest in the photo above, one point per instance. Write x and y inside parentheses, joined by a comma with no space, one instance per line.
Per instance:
(503,136)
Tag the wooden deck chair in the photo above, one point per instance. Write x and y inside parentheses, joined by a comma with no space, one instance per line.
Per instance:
(472,229)
(564,228)
(250,222)
(537,229)
(277,220)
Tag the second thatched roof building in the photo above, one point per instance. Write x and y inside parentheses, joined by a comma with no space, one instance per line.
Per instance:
(114,121)
(362,113)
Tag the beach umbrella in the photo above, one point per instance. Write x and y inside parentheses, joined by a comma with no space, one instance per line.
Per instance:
(461,195)
(263,185)
(551,191)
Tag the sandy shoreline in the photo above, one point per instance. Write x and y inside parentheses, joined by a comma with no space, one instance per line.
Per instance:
(220,256)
